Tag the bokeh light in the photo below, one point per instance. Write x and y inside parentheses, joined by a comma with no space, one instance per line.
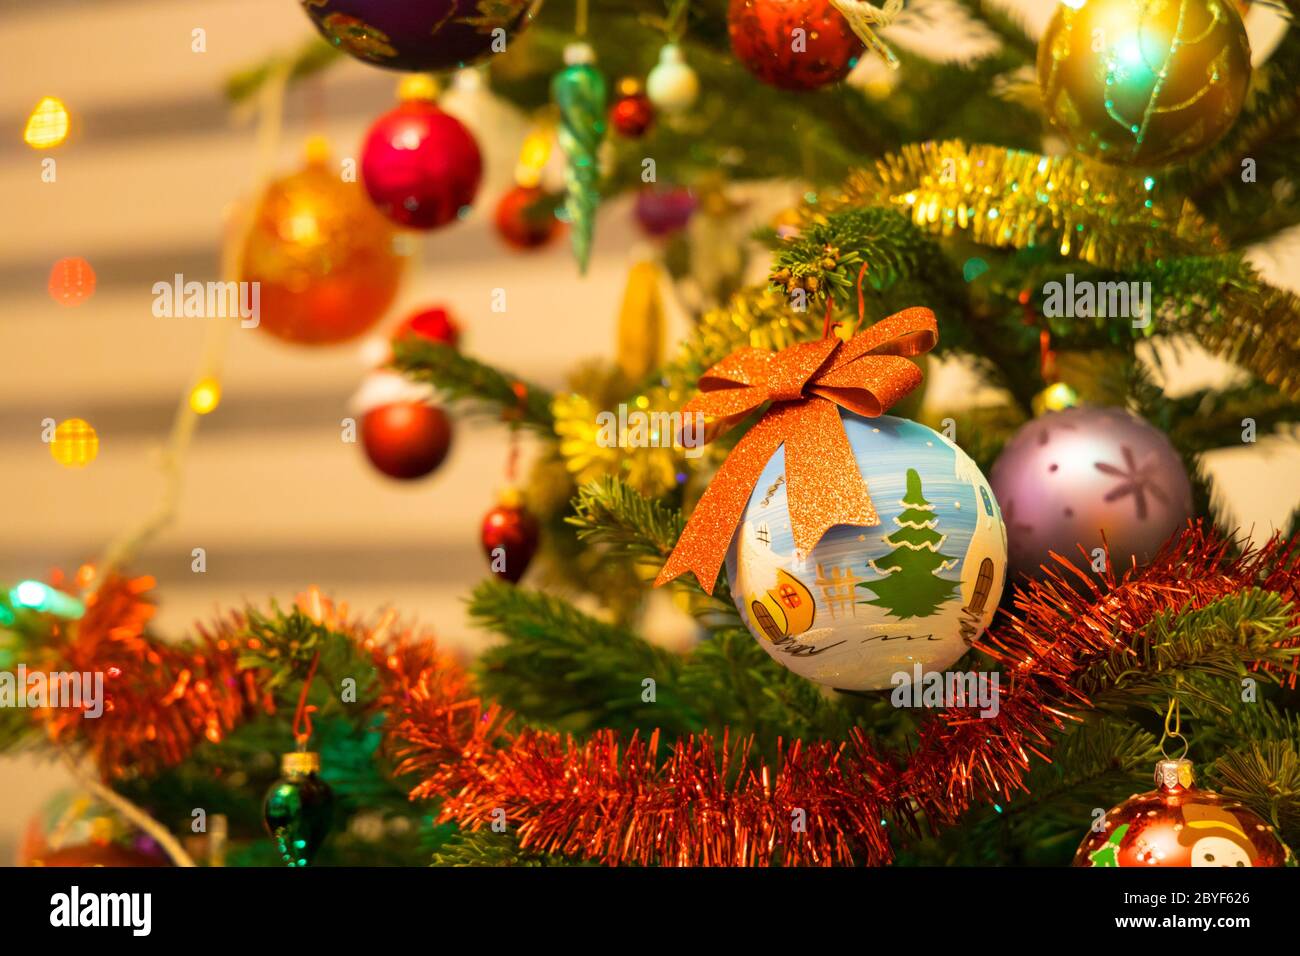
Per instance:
(48,124)
(75,444)
(72,281)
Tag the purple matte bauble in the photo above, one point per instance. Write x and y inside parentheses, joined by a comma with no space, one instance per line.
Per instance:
(419,35)
(662,211)
(1068,476)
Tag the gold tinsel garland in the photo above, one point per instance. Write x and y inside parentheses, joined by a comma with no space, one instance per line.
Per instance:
(1011,198)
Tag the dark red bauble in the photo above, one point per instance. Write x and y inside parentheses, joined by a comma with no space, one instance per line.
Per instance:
(420,165)
(526,218)
(511,528)
(632,115)
(434,324)
(763,38)
(406,440)
(1178,824)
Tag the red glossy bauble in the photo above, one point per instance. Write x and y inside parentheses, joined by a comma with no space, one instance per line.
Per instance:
(1178,824)
(764,38)
(420,165)
(510,537)
(632,114)
(434,324)
(406,440)
(525,218)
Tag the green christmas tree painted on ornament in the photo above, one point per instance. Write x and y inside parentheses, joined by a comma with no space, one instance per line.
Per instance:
(913,587)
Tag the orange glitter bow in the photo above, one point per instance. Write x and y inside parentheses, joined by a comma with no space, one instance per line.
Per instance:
(804,383)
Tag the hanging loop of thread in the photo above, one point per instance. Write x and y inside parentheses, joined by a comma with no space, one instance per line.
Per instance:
(514,416)
(827,325)
(302,717)
(862,299)
(1047,358)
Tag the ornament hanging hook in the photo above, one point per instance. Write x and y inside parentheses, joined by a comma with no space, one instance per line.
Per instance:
(1173,729)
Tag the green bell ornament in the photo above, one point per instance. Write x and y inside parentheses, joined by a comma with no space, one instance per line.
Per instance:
(299,808)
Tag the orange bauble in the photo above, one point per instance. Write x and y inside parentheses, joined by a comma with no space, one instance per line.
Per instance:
(323,256)
(1179,824)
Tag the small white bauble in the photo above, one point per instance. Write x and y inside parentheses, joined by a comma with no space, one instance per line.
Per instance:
(869,604)
(672,85)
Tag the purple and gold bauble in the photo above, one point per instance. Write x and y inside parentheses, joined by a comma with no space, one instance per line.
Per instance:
(1069,477)
(420,35)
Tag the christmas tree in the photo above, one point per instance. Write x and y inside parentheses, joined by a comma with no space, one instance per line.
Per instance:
(980,188)
(913,587)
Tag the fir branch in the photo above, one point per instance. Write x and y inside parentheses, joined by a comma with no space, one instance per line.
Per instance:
(612,514)
(567,669)
(1215,418)
(310,58)
(1007,26)
(486,848)
(1250,627)
(828,256)
(1268,133)
(462,378)
(1265,777)
(737,685)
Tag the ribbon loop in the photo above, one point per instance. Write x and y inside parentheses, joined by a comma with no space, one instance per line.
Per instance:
(804,386)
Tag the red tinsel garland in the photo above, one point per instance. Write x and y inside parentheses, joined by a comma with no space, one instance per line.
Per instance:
(623,802)
(713,806)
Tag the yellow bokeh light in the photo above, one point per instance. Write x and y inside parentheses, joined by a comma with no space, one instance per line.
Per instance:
(75,443)
(47,127)
(206,396)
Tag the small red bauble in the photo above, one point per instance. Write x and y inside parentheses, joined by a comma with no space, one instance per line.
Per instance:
(406,440)
(1181,825)
(434,324)
(632,114)
(510,537)
(764,38)
(526,218)
(420,165)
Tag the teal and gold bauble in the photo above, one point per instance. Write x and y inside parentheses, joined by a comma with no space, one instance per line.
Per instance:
(1143,82)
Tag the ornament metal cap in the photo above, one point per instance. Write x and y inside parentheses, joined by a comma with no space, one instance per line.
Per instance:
(671,53)
(1174,774)
(417,87)
(579,53)
(300,762)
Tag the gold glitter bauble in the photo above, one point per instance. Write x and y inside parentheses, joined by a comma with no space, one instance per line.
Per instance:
(1143,82)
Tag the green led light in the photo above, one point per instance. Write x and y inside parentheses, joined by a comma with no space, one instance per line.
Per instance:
(42,597)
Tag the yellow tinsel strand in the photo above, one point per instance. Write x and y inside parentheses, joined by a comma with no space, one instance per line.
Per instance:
(1012,198)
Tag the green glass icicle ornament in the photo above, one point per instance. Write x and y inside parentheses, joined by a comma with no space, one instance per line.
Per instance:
(299,808)
(579,91)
